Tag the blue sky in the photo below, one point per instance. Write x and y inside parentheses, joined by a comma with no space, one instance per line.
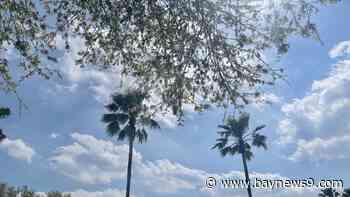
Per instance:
(60,143)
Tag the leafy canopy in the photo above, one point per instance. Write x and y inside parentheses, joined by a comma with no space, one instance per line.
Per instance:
(24,34)
(184,51)
(188,51)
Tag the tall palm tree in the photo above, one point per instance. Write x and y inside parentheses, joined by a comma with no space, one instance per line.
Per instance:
(236,138)
(127,119)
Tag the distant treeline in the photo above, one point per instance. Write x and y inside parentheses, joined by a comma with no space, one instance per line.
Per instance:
(25,191)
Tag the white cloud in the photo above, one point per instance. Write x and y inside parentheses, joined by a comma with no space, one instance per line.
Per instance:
(102,83)
(176,176)
(54,135)
(264,99)
(18,149)
(320,118)
(341,49)
(328,149)
(92,161)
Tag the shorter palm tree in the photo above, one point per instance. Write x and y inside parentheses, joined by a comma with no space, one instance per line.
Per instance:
(126,119)
(329,192)
(236,138)
(346,193)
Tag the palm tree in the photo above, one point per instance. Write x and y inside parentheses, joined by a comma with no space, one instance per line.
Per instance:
(126,119)
(329,192)
(237,139)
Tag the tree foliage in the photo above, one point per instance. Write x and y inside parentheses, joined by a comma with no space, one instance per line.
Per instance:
(188,51)
(25,191)
(184,51)
(25,35)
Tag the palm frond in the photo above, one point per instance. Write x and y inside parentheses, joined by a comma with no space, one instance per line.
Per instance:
(247,146)
(122,134)
(113,128)
(225,134)
(243,122)
(218,145)
(231,120)
(248,155)
(107,118)
(259,128)
(259,141)
(227,128)
(112,107)
(149,122)
(122,101)
(234,149)
(224,151)
(122,118)
(222,140)
(142,135)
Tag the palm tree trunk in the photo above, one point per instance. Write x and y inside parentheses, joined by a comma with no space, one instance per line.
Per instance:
(246,174)
(131,144)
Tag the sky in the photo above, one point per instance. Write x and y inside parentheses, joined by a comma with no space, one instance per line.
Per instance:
(59,142)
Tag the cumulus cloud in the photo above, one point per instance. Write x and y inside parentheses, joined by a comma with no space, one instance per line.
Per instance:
(267,98)
(18,149)
(341,49)
(319,120)
(93,161)
(319,149)
(102,83)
